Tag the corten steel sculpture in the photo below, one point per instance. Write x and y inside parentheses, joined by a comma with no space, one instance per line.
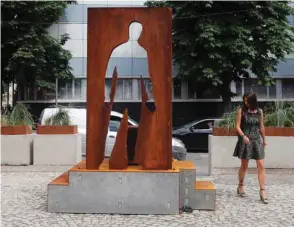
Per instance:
(107,29)
(119,158)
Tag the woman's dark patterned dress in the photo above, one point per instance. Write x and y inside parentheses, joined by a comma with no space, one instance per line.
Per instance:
(250,125)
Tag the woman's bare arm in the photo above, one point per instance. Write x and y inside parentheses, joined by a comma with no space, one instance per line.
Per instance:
(238,127)
(262,130)
(238,122)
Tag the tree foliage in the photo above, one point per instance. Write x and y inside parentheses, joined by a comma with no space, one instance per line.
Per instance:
(29,55)
(215,43)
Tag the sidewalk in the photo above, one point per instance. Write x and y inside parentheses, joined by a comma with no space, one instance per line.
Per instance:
(24,198)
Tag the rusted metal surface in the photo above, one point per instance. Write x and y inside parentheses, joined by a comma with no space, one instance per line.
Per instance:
(107,29)
(96,144)
(119,158)
(143,127)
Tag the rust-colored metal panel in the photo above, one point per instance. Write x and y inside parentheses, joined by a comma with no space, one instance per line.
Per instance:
(107,29)
(96,150)
(118,158)
(144,127)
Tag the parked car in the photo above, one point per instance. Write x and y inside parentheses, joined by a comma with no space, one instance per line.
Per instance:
(195,134)
(79,116)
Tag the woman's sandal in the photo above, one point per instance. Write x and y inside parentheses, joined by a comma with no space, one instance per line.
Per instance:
(241,194)
(263,199)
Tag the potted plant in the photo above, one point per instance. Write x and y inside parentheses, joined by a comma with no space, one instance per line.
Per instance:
(59,123)
(227,125)
(279,131)
(280,120)
(18,122)
(17,137)
(58,141)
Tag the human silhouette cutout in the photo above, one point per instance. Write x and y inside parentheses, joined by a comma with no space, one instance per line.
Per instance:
(129,50)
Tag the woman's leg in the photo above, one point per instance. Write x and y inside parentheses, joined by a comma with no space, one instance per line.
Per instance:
(261,176)
(242,172)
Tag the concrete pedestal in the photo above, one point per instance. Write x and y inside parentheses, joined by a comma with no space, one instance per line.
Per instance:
(16,149)
(131,191)
(57,149)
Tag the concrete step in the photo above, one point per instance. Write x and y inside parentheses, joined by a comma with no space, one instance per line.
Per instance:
(164,191)
(204,196)
(63,179)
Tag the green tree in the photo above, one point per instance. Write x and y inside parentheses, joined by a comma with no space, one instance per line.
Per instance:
(29,55)
(215,43)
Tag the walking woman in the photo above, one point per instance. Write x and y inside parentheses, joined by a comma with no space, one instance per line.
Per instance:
(251,142)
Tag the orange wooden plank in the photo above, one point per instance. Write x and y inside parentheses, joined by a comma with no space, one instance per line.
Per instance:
(104,167)
(184,165)
(61,180)
(204,185)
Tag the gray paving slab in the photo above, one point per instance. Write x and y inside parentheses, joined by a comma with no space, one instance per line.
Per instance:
(24,203)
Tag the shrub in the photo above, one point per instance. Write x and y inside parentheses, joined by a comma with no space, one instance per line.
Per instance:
(60,118)
(281,114)
(19,115)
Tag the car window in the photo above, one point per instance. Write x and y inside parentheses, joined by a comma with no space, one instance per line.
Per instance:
(114,126)
(115,118)
(130,121)
(204,125)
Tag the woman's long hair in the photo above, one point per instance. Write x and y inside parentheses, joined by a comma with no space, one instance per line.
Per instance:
(252,101)
(244,107)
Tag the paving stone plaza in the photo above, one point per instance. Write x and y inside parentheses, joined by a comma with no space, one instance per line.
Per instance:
(24,202)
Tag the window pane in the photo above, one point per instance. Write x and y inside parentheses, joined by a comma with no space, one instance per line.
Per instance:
(78,89)
(45,94)
(204,125)
(252,85)
(61,89)
(248,85)
(177,89)
(69,90)
(128,89)
(30,93)
(209,93)
(239,88)
(272,92)
(119,90)
(107,88)
(148,87)
(260,90)
(40,93)
(83,89)
(64,89)
(191,92)
(288,88)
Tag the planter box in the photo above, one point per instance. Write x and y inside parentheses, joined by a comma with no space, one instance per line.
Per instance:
(269,131)
(274,131)
(57,149)
(224,132)
(278,154)
(16,130)
(16,149)
(56,129)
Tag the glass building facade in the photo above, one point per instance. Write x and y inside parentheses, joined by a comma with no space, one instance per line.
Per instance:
(132,67)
